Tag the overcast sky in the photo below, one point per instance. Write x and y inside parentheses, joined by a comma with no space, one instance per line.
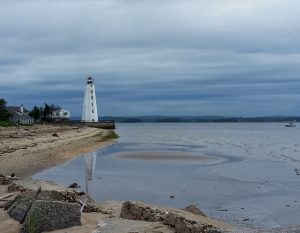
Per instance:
(153,57)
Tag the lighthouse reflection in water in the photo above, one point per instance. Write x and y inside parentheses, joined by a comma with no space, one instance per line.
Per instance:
(90,163)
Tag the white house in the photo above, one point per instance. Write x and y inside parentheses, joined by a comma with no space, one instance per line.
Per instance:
(61,115)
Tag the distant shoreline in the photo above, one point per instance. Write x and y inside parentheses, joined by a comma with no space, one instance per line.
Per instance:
(197,119)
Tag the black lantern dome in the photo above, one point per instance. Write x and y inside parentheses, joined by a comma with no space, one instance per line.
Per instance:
(90,80)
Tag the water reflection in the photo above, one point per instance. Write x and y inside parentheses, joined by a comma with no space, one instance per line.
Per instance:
(90,165)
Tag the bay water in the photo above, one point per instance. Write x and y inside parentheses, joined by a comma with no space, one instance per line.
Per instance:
(244,173)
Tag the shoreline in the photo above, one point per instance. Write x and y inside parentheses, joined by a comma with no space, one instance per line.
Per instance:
(26,151)
(32,149)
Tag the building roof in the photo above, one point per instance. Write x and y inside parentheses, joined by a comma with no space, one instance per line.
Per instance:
(15,109)
(21,117)
(90,80)
(60,110)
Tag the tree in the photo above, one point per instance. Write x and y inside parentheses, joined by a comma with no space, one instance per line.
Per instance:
(4,113)
(36,113)
(47,113)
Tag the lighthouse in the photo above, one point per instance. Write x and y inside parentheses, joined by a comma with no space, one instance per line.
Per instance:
(89,110)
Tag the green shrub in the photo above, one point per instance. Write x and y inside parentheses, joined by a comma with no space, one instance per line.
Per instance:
(7,123)
(111,135)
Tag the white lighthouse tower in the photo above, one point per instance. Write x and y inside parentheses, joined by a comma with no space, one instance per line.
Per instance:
(89,110)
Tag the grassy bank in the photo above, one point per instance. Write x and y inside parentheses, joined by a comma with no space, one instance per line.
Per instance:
(7,124)
(10,124)
(111,135)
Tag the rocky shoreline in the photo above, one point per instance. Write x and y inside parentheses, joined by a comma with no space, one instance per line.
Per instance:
(33,206)
(40,206)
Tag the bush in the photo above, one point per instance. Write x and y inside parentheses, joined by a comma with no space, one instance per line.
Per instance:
(111,135)
(7,123)
(10,124)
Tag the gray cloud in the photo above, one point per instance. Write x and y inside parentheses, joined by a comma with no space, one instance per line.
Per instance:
(157,57)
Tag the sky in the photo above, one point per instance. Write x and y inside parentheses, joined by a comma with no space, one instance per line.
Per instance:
(153,57)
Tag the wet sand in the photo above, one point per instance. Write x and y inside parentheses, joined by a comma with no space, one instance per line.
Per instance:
(165,155)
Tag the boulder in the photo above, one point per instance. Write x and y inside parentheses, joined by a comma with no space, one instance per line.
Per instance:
(48,215)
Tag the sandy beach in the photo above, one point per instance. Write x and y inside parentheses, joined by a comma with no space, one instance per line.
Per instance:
(27,150)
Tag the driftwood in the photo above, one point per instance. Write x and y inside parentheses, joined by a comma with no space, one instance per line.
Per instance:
(7,195)
(7,202)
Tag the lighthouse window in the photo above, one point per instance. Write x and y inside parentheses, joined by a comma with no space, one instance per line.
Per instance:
(91,85)
(92,104)
(92,91)
(92,97)
(92,111)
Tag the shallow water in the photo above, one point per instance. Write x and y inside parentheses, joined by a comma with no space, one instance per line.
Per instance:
(247,174)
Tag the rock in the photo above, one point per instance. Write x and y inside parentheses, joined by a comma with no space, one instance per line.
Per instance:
(74,186)
(195,210)
(6,180)
(81,193)
(90,207)
(19,207)
(33,185)
(138,211)
(181,220)
(55,135)
(49,189)
(46,215)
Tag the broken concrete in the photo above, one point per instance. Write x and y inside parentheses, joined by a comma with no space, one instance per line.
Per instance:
(52,208)
(19,208)
(181,220)
(45,215)
(51,189)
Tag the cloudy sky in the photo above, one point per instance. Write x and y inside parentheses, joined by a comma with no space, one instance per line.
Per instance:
(153,57)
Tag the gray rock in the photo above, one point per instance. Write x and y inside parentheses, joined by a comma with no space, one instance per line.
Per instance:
(194,209)
(47,215)
(138,211)
(53,190)
(34,185)
(19,207)
(181,220)
(5,180)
